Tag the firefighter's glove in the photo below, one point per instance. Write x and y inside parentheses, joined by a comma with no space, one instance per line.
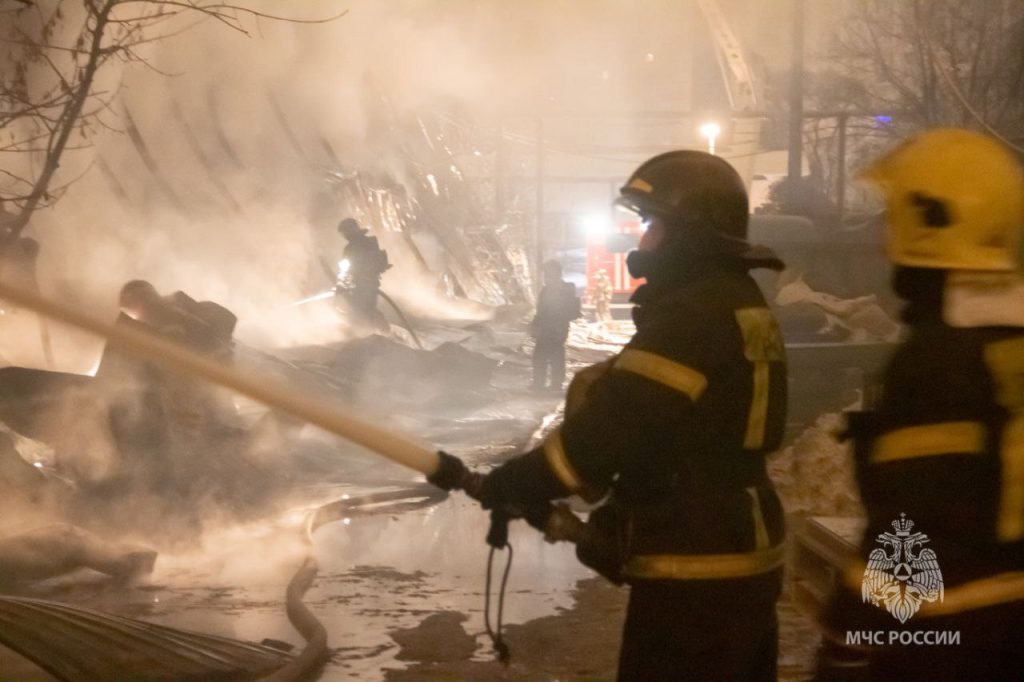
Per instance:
(559,524)
(452,474)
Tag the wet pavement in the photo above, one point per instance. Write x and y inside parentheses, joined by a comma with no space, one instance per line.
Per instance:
(401,581)
(387,566)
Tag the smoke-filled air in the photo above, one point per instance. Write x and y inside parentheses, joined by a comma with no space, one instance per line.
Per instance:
(312,312)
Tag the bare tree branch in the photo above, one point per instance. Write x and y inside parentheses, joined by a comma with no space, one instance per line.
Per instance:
(62,132)
(61,111)
(940,62)
(216,8)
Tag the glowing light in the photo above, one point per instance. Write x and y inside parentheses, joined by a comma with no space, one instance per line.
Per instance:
(596,224)
(345,496)
(343,267)
(711,131)
(37,465)
(347,521)
(649,57)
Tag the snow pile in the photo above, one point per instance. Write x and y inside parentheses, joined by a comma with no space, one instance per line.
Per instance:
(607,337)
(860,319)
(815,474)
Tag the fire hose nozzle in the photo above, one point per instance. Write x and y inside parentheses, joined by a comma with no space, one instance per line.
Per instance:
(453,474)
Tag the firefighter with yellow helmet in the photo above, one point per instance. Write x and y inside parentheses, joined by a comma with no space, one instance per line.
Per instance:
(602,296)
(676,427)
(940,458)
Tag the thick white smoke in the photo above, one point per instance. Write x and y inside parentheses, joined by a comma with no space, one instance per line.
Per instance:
(227,195)
(239,132)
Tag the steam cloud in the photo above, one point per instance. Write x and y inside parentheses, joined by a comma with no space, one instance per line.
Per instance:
(239,133)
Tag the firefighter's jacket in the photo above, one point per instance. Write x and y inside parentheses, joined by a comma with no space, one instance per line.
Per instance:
(367,261)
(678,428)
(944,449)
(557,306)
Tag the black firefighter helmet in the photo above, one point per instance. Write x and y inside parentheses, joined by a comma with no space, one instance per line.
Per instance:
(350,229)
(702,201)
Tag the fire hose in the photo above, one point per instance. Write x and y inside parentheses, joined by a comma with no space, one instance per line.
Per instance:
(443,470)
(390,301)
(299,615)
(405,321)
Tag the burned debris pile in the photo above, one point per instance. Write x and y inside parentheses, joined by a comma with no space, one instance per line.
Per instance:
(139,451)
(136,449)
(377,370)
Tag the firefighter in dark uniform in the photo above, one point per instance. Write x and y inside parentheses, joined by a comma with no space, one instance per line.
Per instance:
(366,263)
(677,428)
(944,446)
(557,306)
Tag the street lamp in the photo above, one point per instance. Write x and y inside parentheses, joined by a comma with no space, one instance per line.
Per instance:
(711,130)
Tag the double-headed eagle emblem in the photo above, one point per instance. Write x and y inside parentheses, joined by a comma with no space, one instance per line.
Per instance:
(902,574)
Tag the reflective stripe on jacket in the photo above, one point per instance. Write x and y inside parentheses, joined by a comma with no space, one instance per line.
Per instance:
(945,448)
(678,427)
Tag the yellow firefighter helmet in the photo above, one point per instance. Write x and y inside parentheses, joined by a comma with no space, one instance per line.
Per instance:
(955,201)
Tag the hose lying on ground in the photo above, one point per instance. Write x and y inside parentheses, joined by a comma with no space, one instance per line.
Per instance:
(313,656)
(315,653)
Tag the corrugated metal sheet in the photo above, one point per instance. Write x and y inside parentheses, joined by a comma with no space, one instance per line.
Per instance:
(77,644)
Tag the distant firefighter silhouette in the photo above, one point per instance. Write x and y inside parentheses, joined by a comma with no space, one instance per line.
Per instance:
(557,306)
(602,296)
(360,269)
